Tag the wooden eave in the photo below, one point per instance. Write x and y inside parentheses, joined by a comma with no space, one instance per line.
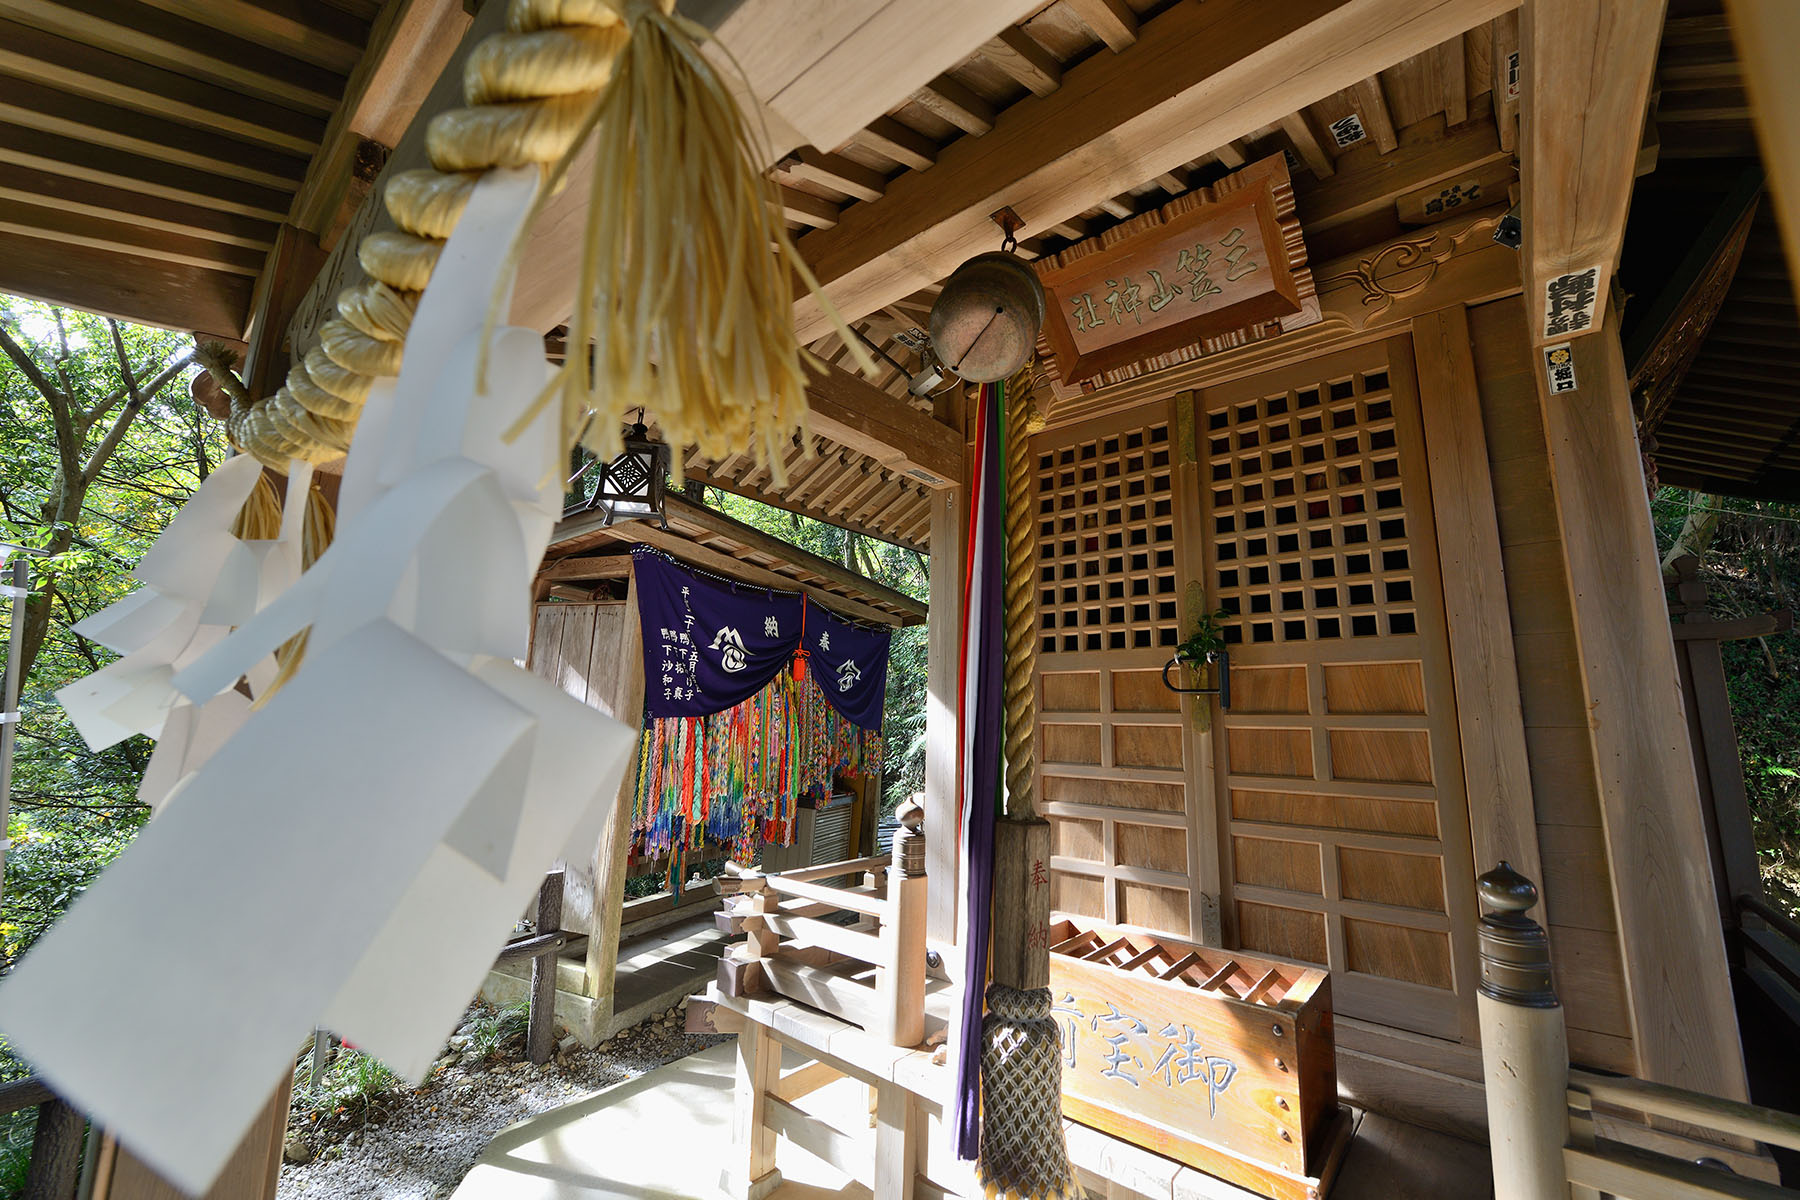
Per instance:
(151,151)
(583,548)
(1712,332)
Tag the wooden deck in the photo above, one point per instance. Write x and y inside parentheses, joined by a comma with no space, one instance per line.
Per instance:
(668,1134)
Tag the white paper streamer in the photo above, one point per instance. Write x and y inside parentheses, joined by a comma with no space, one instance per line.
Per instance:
(443,777)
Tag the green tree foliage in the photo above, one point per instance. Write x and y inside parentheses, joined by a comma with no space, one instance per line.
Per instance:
(99,445)
(1752,565)
(905,571)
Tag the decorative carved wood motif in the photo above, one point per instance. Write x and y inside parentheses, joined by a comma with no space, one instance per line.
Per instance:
(1381,287)
(1216,268)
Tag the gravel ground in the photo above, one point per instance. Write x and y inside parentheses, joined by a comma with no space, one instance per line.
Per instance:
(417,1144)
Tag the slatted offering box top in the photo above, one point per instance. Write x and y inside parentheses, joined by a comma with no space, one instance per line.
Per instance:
(1219,1059)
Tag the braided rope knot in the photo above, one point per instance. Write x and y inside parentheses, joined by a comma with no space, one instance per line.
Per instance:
(1023,1156)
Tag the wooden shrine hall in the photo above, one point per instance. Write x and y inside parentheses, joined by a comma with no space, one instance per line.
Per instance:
(1366,321)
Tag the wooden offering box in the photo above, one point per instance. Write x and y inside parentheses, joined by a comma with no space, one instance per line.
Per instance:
(1218,1059)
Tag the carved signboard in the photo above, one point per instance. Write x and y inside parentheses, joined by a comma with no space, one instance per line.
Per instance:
(1216,267)
(1220,1059)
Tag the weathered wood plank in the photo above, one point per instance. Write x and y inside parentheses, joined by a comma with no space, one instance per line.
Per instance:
(1496,768)
(1682,1019)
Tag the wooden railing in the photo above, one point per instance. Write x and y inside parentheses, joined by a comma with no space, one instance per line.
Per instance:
(1773,938)
(856,952)
(1561,1134)
(55,1161)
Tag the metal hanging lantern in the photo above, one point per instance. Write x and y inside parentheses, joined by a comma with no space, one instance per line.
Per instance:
(630,487)
(985,323)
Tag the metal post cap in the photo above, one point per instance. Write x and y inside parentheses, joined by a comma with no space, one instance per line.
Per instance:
(1505,889)
(1515,951)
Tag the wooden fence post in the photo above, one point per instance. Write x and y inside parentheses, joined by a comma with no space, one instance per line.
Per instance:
(902,969)
(1524,1046)
(55,1153)
(540,1033)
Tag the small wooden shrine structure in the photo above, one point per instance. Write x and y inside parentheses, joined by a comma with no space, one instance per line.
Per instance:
(1349,339)
(631,958)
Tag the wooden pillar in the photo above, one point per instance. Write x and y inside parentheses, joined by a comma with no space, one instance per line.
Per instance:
(1683,1022)
(250,1174)
(942,757)
(900,979)
(613,852)
(1490,717)
(752,1172)
(540,1036)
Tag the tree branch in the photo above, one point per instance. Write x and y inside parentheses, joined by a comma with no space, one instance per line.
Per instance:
(59,404)
(111,441)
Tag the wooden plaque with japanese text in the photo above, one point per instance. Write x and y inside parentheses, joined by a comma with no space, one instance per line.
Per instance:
(1217,267)
(1219,1059)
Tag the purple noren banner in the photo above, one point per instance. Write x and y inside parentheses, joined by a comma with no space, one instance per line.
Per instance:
(711,643)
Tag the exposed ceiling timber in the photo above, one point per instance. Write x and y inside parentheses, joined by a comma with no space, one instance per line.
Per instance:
(1587,68)
(1198,76)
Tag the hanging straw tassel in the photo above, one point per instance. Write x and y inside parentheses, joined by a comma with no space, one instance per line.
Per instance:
(1022,1149)
(684,279)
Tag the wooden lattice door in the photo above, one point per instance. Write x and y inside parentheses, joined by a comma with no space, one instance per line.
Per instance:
(1340,798)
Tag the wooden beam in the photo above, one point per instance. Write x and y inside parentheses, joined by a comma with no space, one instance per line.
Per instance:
(1507,87)
(1767,36)
(1372,107)
(1683,1024)
(315,33)
(1451,72)
(957,104)
(169,42)
(1112,21)
(80,229)
(131,172)
(1198,76)
(905,146)
(808,209)
(1369,182)
(1018,54)
(1496,763)
(859,416)
(70,66)
(409,46)
(142,290)
(76,196)
(838,174)
(1587,66)
(35,106)
(586,566)
(907,611)
(1307,145)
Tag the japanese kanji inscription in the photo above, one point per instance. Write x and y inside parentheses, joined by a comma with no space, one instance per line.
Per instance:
(1220,261)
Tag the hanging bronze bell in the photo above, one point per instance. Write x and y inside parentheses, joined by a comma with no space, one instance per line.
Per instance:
(985,323)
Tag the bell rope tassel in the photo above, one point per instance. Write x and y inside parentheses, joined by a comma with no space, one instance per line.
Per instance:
(1022,1150)
(1023,1155)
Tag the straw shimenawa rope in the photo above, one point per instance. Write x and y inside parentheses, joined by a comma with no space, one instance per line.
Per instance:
(1022,420)
(529,92)
(675,263)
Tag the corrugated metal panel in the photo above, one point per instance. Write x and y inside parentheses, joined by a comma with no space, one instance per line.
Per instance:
(831,831)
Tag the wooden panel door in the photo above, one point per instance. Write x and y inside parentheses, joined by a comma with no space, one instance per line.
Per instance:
(1343,818)
(1112,750)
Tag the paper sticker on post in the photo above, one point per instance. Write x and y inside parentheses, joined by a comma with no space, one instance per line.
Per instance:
(1559,368)
(1569,302)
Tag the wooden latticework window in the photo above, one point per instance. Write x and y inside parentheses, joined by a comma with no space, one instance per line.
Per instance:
(1309,513)
(1106,542)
